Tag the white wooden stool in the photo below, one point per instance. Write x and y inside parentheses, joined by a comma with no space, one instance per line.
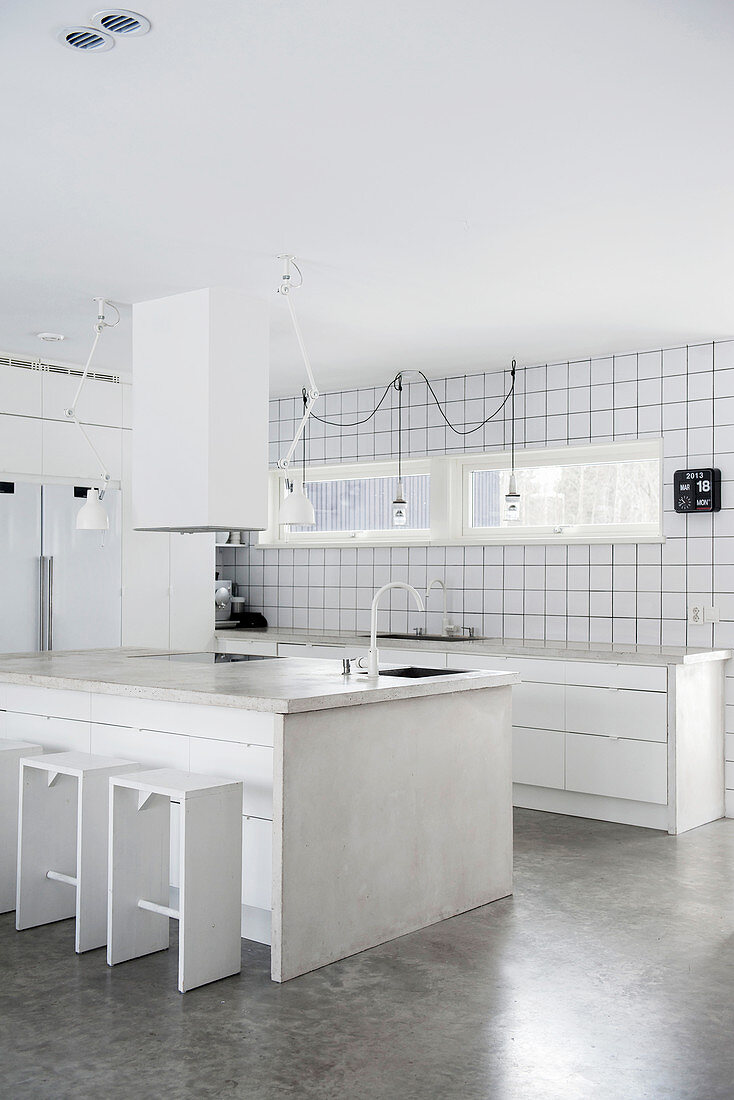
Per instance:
(210,893)
(62,842)
(11,753)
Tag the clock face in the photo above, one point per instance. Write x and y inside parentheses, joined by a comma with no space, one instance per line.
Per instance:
(697,490)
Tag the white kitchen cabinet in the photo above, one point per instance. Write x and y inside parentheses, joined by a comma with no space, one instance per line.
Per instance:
(538,757)
(20,445)
(617,712)
(539,706)
(48,701)
(20,391)
(66,453)
(616,740)
(258,646)
(617,768)
(251,764)
(257,865)
(218,723)
(156,750)
(52,734)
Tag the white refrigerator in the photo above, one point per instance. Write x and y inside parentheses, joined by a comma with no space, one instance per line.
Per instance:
(59,588)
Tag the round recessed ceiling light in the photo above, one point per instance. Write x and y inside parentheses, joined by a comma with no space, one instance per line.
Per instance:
(86,38)
(121,21)
(50,337)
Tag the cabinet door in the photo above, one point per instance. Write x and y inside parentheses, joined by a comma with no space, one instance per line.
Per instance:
(538,706)
(52,734)
(20,445)
(20,547)
(20,391)
(537,757)
(257,863)
(66,453)
(612,712)
(251,764)
(617,768)
(87,572)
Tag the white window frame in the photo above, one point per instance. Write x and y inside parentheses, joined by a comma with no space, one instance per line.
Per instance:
(281,535)
(592,454)
(451,491)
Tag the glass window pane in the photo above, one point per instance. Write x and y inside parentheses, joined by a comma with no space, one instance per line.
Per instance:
(365,504)
(577,495)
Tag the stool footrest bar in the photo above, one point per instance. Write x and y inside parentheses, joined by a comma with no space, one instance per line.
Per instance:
(57,876)
(153,907)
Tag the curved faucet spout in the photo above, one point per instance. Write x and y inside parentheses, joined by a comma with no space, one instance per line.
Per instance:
(445,617)
(373,668)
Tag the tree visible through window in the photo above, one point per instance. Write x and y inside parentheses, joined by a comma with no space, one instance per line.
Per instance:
(573,495)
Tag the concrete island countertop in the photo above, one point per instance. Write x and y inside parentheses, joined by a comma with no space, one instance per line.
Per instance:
(618,653)
(278,686)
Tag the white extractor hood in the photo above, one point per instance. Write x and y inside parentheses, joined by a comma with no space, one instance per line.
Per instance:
(200,412)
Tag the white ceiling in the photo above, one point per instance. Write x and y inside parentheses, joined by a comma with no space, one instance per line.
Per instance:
(463,181)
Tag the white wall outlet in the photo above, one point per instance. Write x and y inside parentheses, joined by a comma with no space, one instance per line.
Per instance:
(700,612)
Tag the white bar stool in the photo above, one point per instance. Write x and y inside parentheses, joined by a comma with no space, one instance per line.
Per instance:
(210,894)
(11,753)
(62,842)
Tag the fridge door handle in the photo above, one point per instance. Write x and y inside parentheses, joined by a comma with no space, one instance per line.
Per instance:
(42,603)
(50,620)
(46,585)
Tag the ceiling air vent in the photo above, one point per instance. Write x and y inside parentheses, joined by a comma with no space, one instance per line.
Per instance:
(121,21)
(86,38)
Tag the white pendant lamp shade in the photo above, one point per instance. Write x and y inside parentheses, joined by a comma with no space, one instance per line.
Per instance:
(297,508)
(92,516)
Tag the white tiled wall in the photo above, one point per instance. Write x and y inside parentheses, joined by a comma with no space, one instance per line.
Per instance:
(620,593)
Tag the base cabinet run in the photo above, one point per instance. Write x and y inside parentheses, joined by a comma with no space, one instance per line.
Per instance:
(638,744)
(616,741)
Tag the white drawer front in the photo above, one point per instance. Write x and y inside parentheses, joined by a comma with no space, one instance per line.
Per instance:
(639,715)
(642,677)
(479,660)
(617,768)
(591,673)
(538,671)
(538,757)
(294,649)
(59,704)
(262,648)
(539,706)
(217,723)
(257,863)
(146,747)
(420,657)
(603,674)
(252,764)
(52,734)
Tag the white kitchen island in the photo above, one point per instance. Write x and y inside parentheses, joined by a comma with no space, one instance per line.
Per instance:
(370,809)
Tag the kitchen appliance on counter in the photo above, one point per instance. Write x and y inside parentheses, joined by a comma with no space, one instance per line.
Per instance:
(231,611)
(222,601)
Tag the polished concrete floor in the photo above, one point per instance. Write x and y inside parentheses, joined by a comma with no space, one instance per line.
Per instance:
(608,976)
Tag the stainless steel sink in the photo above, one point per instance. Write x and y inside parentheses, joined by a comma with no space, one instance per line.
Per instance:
(411,672)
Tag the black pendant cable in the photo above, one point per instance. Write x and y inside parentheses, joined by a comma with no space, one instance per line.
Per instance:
(399,507)
(305,437)
(512,498)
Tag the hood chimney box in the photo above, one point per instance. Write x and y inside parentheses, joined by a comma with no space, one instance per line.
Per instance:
(200,412)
